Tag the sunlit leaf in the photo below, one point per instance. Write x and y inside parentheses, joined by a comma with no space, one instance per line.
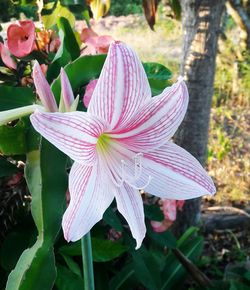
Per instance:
(99,8)
(60,11)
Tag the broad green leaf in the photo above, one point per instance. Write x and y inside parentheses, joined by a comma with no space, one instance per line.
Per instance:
(106,250)
(35,269)
(103,250)
(73,266)
(7,168)
(61,58)
(173,272)
(15,97)
(189,233)
(69,38)
(158,76)
(165,239)
(72,249)
(121,277)
(68,51)
(146,268)
(80,72)
(59,11)
(157,71)
(153,212)
(111,218)
(13,138)
(67,280)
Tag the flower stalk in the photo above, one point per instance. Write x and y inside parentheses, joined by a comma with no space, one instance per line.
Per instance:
(87,259)
(11,115)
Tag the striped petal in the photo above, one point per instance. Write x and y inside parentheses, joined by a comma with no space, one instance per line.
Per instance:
(121,88)
(130,205)
(175,174)
(43,89)
(156,122)
(88,200)
(74,133)
(67,93)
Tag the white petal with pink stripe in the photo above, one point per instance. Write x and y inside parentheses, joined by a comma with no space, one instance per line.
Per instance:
(122,144)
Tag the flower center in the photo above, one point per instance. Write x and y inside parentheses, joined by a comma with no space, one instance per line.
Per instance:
(103,143)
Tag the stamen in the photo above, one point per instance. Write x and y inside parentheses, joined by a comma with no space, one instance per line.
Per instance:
(132,179)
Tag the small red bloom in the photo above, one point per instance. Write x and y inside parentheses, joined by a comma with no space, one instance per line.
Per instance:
(21,38)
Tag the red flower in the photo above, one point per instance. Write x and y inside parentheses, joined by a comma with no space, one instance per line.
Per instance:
(95,44)
(21,38)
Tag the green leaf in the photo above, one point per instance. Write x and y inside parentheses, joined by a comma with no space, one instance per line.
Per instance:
(80,72)
(103,250)
(15,97)
(69,38)
(153,212)
(121,277)
(106,250)
(158,76)
(173,272)
(157,71)
(13,138)
(72,249)
(189,233)
(59,11)
(146,268)
(73,266)
(61,58)
(7,168)
(35,269)
(111,218)
(67,280)
(165,239)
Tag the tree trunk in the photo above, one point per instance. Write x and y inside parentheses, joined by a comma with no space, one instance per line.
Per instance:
(241,16)
(201,26)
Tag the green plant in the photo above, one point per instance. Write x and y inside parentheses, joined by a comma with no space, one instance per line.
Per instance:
(125,7)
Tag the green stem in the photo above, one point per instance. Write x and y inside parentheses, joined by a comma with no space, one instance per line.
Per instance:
(88,272)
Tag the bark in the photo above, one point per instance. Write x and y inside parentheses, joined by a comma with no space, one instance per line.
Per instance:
(241,17)
(201,26)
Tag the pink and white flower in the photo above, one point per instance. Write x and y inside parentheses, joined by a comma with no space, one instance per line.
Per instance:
(122,144)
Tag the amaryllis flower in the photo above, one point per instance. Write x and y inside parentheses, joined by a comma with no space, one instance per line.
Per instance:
(21,38)
(122,144)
